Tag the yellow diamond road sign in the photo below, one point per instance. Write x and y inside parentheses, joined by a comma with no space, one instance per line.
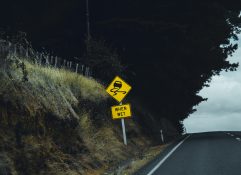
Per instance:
(121,111)
(118,89)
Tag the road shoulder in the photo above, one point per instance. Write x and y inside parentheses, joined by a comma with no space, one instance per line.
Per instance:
(156,159)
(142,159)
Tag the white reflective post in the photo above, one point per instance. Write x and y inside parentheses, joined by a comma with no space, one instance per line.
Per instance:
(162,137)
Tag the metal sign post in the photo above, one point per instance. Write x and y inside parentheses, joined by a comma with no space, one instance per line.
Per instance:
(123,129)
(118,89)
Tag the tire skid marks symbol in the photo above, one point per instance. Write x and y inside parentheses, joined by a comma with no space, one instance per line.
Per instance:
(117,87)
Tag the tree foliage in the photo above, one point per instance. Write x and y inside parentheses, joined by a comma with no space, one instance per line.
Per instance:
(174,48)
(104,61)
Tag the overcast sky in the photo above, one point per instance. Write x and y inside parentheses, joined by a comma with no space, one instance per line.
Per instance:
(222,111)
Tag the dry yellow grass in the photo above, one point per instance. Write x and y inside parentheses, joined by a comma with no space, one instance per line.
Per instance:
(86,88)
(147,156)
(57,95)
(97,140)
(54,90)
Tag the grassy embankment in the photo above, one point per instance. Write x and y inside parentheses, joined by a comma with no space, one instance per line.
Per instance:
(58,122)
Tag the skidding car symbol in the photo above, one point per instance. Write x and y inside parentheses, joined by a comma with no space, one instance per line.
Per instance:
(117,87)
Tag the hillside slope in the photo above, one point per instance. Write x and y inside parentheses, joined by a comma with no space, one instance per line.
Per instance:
(53,121)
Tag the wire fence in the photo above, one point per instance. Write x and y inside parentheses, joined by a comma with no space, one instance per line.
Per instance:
(44,59)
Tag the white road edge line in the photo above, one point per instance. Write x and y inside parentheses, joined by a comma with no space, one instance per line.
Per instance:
(168,155)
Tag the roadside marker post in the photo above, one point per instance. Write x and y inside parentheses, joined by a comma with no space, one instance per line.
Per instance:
(118,89)
(162,137)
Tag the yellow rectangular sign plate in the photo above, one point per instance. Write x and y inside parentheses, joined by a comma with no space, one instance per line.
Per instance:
(121,111)
(118,89)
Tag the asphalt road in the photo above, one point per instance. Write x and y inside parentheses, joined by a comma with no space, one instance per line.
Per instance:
(213,153)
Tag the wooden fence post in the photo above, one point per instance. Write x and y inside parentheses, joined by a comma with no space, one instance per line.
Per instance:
(26,53)
(70,64)
(76,69)
(15,50)
(86,71)
(82,69)
(47,60)
(56,62)
(51,60)
(64,63)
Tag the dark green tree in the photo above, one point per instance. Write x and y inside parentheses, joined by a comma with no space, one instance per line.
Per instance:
(174,47)
(104,61)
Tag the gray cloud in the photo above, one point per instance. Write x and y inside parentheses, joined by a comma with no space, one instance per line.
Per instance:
(222,111)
